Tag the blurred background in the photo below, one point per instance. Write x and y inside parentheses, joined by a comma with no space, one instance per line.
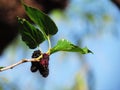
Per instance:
(90,23)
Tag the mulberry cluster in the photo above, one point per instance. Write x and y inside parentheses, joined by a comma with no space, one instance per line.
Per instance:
(42,65)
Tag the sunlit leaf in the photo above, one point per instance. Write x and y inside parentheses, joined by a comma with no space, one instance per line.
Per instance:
(65,45)
(30,34)
(45,23)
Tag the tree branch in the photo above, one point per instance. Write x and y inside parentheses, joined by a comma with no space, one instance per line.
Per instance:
(16,64)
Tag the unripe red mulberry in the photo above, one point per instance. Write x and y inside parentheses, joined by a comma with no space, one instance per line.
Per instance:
(43,68)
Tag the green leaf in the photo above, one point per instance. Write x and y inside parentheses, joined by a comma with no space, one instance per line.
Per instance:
(1,67)
(65,45)
(45,23)
(30,34)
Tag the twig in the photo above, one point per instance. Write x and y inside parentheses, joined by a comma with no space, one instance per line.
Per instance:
(16,64)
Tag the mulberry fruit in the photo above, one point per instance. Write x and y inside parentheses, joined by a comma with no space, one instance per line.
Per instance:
(43,65)
(35,65)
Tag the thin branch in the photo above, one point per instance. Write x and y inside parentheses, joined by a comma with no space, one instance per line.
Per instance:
(16,64)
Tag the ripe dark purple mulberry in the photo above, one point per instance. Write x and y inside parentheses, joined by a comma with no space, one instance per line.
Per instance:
(35,65)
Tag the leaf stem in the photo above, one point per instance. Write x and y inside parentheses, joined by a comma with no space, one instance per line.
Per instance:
(49,44)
